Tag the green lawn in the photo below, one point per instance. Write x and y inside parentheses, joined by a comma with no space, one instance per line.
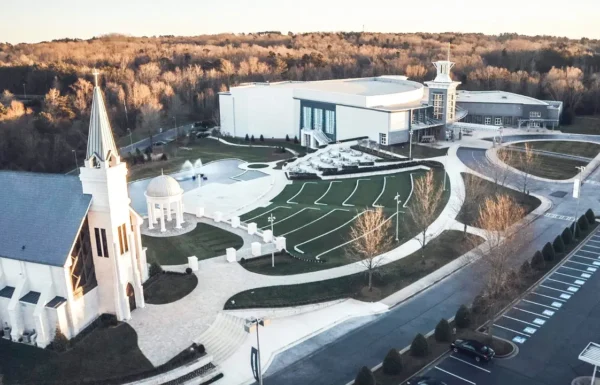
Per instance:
(418,151)
(549,167)
(583,125)
(391,278)
(585,149)
(491,189)
(107,352)
(205,241)
(205,149)
(168,287)
(316,223)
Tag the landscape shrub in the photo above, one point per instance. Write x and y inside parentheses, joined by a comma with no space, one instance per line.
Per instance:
(463,317)
(392,363)
(443,333)
(262,138)
(60,343)
(567,236)
(479,304)
(514,278)
(525,269)
(576,230)
(583,223)
(591,217)
(364,377)
(164,157)
(107,320)
(287,138)
(252,138)
(201,349)
(537,261)
(247,138)
(419,347)
(296,140)
(548,252)
(188,270)
(558,244)
(155,268)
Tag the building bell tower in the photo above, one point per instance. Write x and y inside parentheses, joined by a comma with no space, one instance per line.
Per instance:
(442,91)
(119,258)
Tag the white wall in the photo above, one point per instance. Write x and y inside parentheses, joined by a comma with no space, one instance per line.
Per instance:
(226,113)
(399,120)
(412,96)
(264,110)
(355,122)
(84,310)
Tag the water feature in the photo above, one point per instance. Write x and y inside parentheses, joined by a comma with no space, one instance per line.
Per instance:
(197,164)
(187,170)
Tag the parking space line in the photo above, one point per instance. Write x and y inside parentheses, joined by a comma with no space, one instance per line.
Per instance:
(454,375)
(530,312)
(581,263)
(518,320)
(547,296)
(567,275)
(514,331)
(572,268)
(468,363)
(590,258)
(566,283)
(539,304)
(592,246)
(562,291)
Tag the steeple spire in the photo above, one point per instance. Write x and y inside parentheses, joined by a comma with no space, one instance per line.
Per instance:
(100,137)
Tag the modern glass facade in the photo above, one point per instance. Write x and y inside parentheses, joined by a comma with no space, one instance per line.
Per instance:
(318,116)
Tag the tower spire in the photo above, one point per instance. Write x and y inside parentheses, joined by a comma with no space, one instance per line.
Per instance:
(100,138)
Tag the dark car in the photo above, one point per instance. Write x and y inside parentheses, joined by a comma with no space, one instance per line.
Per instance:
(424,380)
(475,349)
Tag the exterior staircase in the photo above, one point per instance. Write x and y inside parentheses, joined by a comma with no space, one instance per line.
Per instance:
(321,137)
(223,337)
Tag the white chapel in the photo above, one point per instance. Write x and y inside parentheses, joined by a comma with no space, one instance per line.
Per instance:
(70,247)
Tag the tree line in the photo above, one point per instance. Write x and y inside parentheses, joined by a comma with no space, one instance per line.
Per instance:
(151,82)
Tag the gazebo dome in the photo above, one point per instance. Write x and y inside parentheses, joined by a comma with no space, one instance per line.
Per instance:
(163,186)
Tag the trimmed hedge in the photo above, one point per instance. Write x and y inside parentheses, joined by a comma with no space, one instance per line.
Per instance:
(365,377)
(591,217)
(155,268)
(576,230)
(583,223)
(392,363)
(443,333)
(463,317)
(537,261)
(567,236)
(419,347)
(558,244)
(302,175)
(412,163)
(548,252)
(525,269)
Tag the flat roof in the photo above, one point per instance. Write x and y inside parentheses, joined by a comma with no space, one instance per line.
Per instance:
(496,97)
(382,85)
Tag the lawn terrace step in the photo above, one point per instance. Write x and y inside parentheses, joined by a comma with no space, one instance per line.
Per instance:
(223,337)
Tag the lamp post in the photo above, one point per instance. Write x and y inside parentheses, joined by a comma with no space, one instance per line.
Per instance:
(576,193)
(271,221)
(445,172)
(398,201)
(410,133)
(130,140)
(24,91)
(250,325)
(75,156)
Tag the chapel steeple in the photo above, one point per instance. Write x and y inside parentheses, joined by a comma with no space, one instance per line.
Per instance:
(101,143)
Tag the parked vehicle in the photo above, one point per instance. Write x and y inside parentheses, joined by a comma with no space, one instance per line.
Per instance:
(475,349)
(424,380)
(202,135)
(159,144)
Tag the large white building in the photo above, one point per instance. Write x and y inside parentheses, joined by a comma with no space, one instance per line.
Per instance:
(386,109)
(70,247)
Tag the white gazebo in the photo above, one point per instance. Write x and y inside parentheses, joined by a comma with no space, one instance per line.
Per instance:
(164,196)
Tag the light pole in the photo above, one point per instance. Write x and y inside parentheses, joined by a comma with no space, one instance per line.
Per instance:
(445,172)
(24,91)
(576,193)
(271,221)
(398,201)
(410,134)
(251,324)
(130,140)
(76,163)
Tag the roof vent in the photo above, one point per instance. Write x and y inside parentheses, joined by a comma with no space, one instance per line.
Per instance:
(504,97)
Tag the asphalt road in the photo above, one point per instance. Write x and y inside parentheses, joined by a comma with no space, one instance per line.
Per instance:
(551,325)
(337,361)
(163,136)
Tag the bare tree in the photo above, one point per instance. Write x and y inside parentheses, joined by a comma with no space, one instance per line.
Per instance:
(501,171)
(527,160)
(470,199)
(427,198)
(498,218)
(371,235)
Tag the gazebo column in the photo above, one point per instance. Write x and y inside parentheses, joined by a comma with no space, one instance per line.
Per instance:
(169,209)
(178,214)
(162,218)
(181,210)
(150,215)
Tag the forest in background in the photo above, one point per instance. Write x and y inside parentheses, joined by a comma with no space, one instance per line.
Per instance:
(151,82)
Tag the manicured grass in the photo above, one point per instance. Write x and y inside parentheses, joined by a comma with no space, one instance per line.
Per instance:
(258,165)
(418,151)
(207,150)
(583,125)
(528,202)
(548,166)
(391,278)
(205,241)
(585,149)
(320,230)
(168,287)
(107,352)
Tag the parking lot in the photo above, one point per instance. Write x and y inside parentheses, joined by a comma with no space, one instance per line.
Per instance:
(549,308)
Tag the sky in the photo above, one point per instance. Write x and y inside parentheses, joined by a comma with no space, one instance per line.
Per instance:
(39,20)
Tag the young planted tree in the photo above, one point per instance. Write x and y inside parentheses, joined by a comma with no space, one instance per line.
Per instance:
(423,209)
(470,199)
(500,172)
(371,235)
(498,217)
(527,160)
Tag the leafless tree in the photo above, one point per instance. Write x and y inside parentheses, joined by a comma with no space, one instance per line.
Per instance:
(501,171)
(423,209)
(527,161)
(470,199)
(499,219)
(371,235)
